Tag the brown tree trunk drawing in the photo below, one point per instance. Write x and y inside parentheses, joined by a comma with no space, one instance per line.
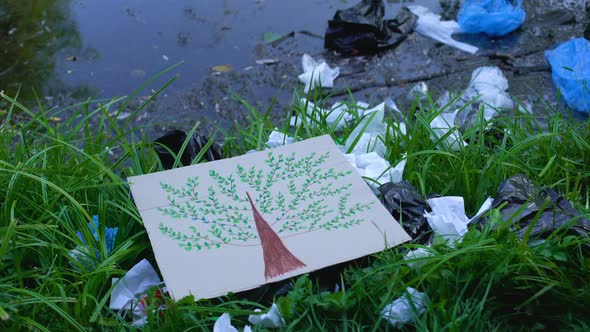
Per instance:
(278,259)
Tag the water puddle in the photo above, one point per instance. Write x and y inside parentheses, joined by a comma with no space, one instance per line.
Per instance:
(67,50)
(110,47)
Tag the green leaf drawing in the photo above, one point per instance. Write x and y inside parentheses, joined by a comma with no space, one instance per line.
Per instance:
(222,214)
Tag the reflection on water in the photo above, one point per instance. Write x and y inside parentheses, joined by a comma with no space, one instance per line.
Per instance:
(32,33)
(110,47)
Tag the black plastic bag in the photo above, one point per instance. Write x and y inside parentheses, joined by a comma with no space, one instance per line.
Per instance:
(407,206)
(362,30)
(525,202)
(173,141)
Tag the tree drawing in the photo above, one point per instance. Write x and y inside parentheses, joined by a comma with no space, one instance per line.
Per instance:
(223,215)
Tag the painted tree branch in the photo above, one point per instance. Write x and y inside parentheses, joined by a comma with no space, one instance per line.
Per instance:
(225,215)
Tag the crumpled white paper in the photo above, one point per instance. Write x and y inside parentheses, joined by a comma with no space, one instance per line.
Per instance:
(448,218)
(416,254)
(430,25)
(489,86)
(340,115)
(526,107)
(270,320)
(317,73)
(337,116)
(223,324)
(373,133)
(132,287)
(404,309)
(418,91)
(441,125)
(84,257)
(373,166)
(276,138)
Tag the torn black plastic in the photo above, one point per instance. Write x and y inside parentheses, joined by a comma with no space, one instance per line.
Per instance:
(525,205)
(362,30)
(173,140)
(407,206)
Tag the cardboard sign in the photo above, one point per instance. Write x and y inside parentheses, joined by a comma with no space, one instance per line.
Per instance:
(235,224)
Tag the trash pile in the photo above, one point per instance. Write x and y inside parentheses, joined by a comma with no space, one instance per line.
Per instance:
(365,148)
(532,211)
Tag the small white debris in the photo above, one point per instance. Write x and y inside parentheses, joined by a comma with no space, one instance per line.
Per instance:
(416,254)
(317,73)
(267,61)
(271,320)
(404,309)
(441,125)
(431,26)
(223,324)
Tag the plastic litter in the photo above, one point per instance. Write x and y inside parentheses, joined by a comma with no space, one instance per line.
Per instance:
(404,309)
(407,206)
(447,217)
(276,138)
(223,324)
(487,91)
(418,91)
(83,253)
(373,133)
(415,257)
(361,29)
(492,17)
(173,141)
(338,116)
(129,291)
(109,236)
(431,26)
(378,170)
(317,73)
(489,86)
(270,320)
(441,125)
(570,70)
(525,202)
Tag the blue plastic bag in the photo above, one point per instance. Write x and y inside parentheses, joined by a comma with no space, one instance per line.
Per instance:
(570,69)
(110,234)
(492,17)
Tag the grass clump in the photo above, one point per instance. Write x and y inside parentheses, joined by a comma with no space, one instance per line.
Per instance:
(55,175)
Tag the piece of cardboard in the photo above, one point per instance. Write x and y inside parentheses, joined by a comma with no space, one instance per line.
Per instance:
(235,224)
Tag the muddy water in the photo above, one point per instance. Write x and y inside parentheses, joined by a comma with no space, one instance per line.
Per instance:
(110,47)
(73,49)
(69,50)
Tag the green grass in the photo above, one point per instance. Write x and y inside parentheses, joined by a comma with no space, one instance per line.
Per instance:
(54,175)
